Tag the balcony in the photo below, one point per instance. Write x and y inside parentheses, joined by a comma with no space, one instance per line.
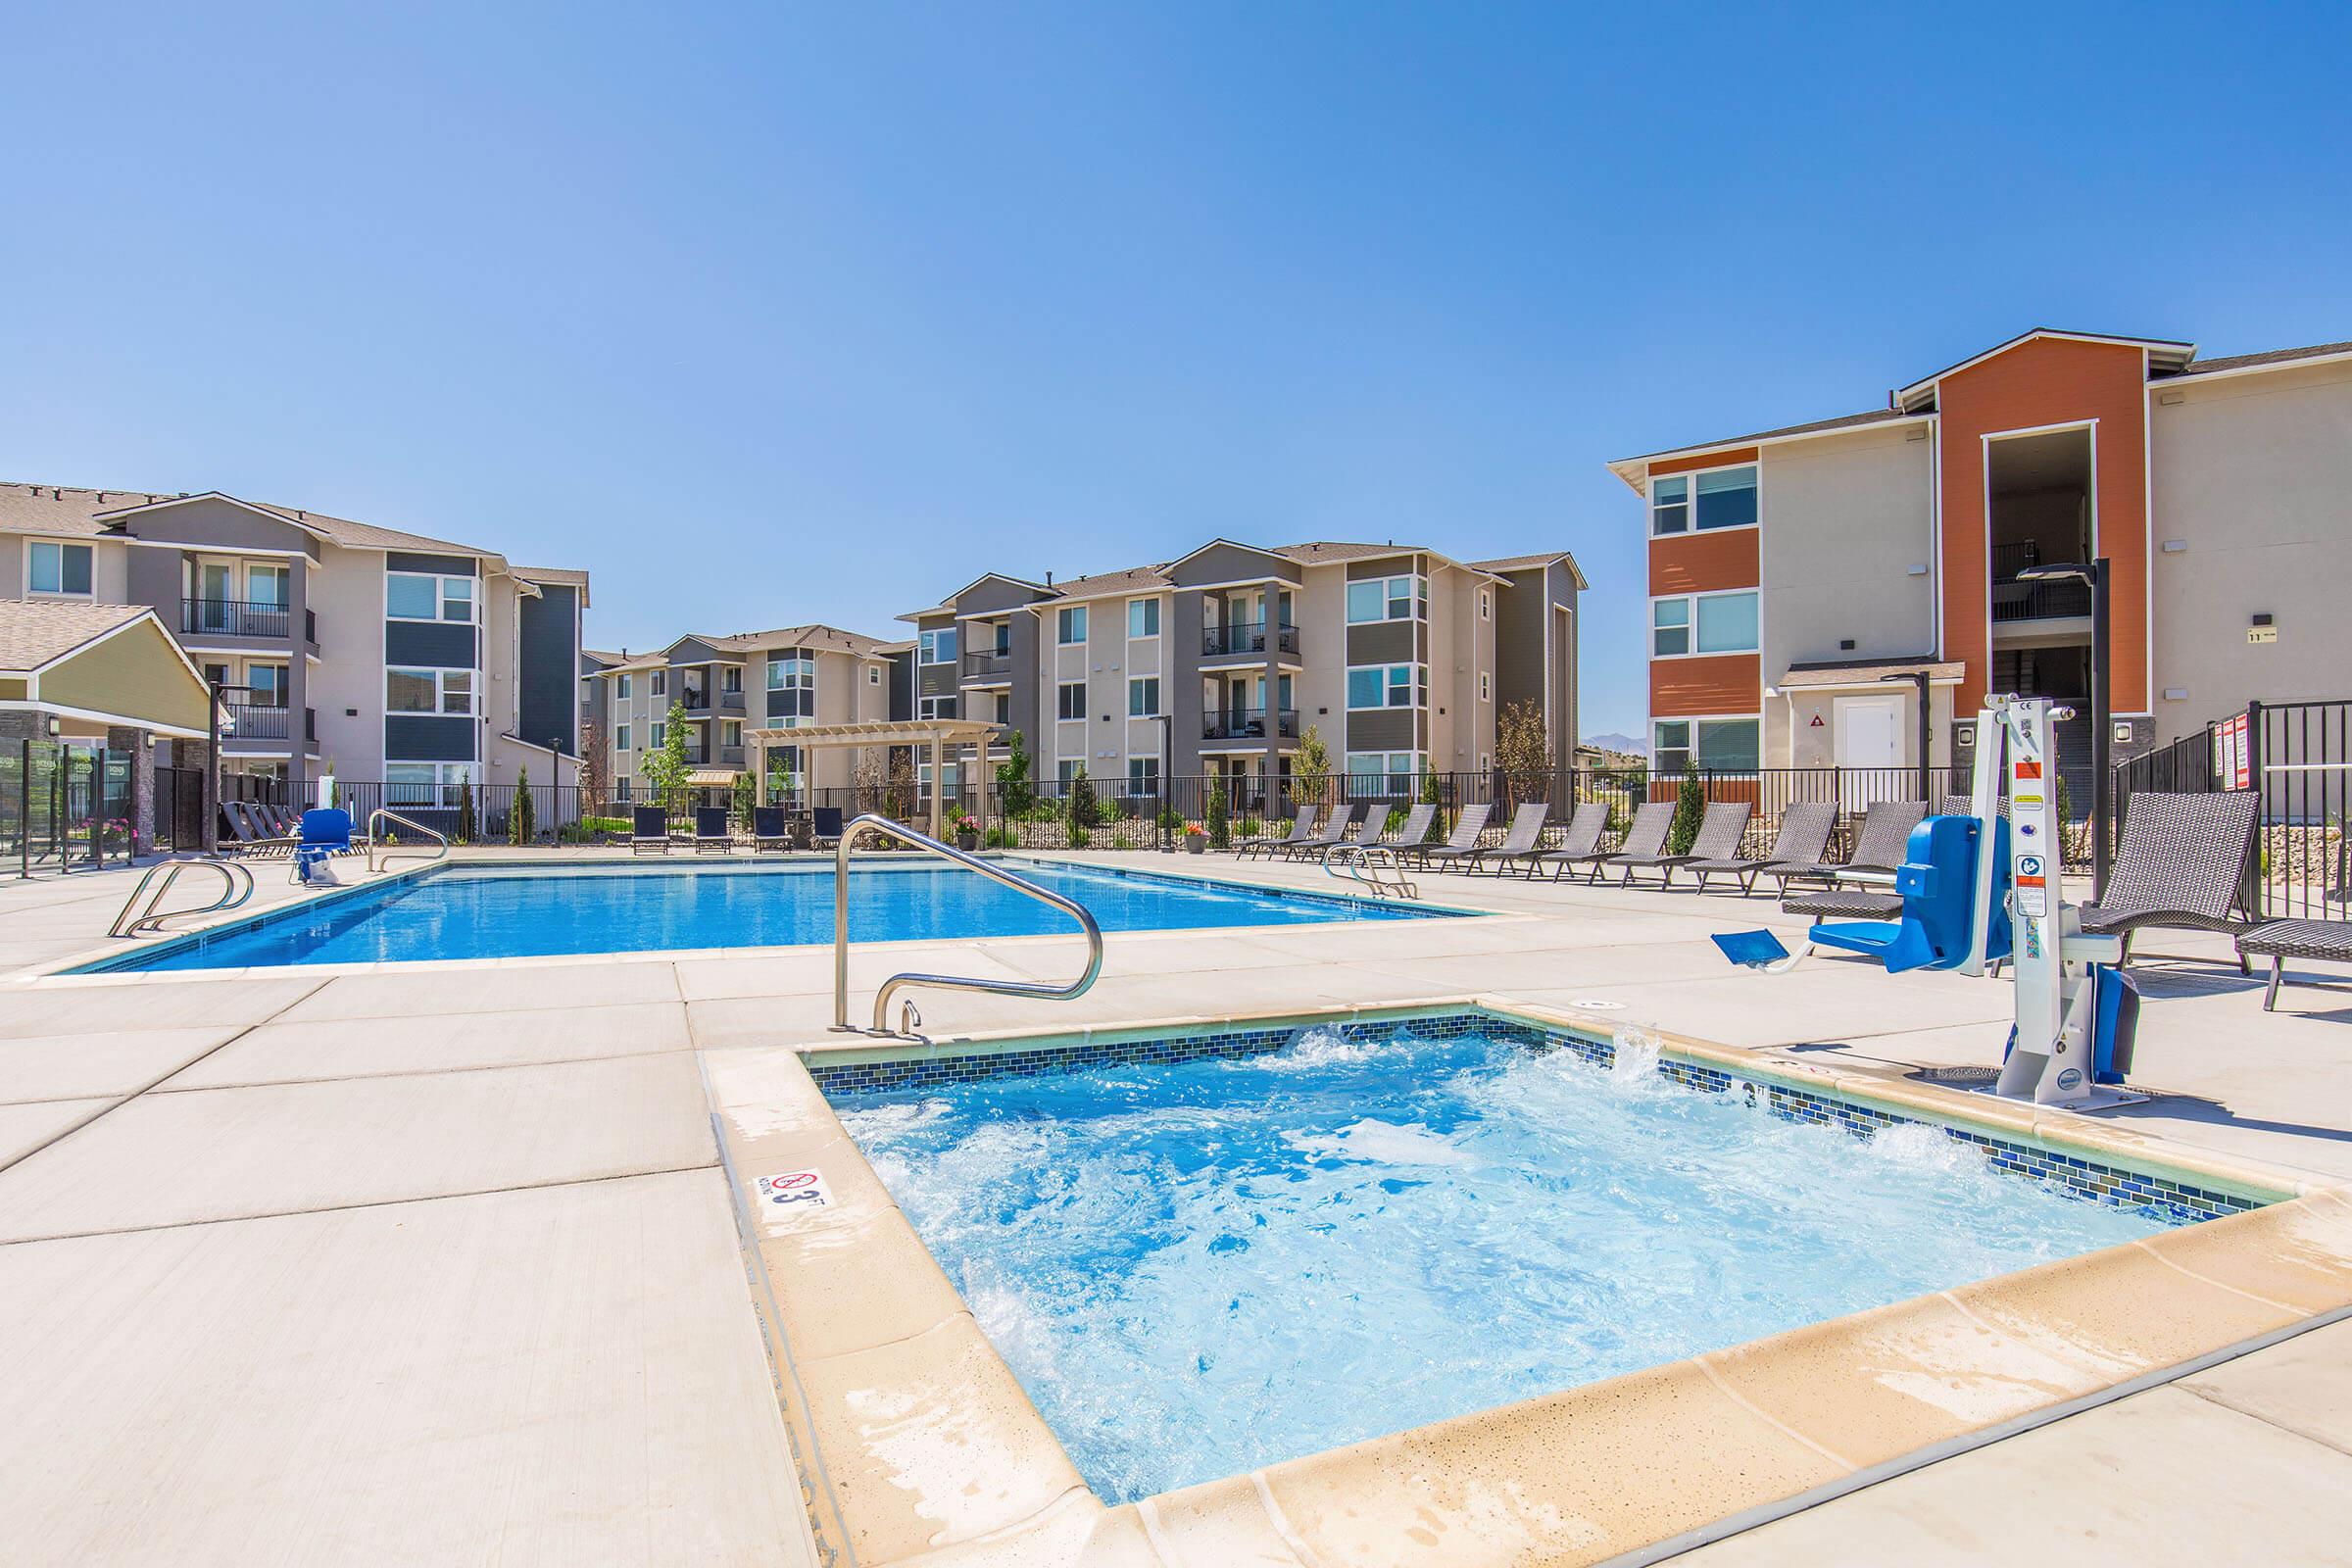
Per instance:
(730,702)
(988,664)
(2015,601)
(730,757)
(259,722)
(237,617)
(1241,638)
(310,629)
(695,699)
(1249,725)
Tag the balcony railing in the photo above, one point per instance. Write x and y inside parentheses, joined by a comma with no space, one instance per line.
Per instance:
(310,629)
(695,699)
(1247,637)
(234,617)
(730,702)
(1249,723)
(2013,599)
(730,757)
(259,722)
(987,664)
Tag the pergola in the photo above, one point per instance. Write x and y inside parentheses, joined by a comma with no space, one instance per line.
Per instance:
(931,738)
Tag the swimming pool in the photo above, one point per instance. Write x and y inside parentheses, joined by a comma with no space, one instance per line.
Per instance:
(1204,1256)
(461,911)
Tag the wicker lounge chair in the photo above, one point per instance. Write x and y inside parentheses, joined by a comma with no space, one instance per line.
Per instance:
(1804,834)
(1302,827)
(650,833)
(1653,821)
(770,829)
(1519,843)
(1581,844)
(2180,863)
(1460,845)
(2324,941)
(711,831)
(1879,848)
(1719,834)
(1334,830)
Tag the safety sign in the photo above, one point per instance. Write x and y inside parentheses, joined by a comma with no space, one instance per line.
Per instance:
(794,1191)
(2033,887)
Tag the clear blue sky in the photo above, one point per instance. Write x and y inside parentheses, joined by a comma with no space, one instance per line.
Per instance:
(816,310)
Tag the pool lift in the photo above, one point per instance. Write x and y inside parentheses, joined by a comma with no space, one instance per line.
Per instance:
(1967,910)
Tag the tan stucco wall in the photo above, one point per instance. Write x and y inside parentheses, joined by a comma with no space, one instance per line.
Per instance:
(2254,476)
(138,674)
(347,593)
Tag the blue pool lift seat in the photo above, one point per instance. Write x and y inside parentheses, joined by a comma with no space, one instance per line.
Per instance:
(1937,881)
(325,832)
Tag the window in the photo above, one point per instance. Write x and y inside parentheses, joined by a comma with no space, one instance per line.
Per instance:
(621,789)
(623,693)
(426,784)
(1486,604)
(1142,697)
(1727,744)
(268,683)
(266,586)
(659,736)
(730,732)
(1727,499)
(1403,598)
(937,646)
(658,686)
(1069,625)
(792,684)
(1004,707)
(417,596)
(937,708)
(730,677)
(1388,773)
(431,691)
(1486,687)
(1142,775)
(1143,617)
(54,568)
(621,738)
(873,674)
(1385,686)
(1071,699)
(1670,505)
(1705,623)
(1066,771)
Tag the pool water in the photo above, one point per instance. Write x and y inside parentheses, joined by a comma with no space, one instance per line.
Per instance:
(1199,1269)
(496,912)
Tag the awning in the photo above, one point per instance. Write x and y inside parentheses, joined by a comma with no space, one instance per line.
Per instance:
(711,778)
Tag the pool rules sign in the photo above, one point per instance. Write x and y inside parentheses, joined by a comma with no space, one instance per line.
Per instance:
(794,1191)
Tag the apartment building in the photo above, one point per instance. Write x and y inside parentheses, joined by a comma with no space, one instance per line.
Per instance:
(364,652)
(791,677)
(1800,579)
(1218,663)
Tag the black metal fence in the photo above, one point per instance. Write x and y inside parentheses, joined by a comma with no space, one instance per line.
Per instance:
(2299,755)
(64,807)
(486,814)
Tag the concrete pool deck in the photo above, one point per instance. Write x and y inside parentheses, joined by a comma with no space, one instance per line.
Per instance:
(293,1251)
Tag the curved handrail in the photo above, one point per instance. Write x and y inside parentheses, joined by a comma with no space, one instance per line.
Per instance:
(1360,859)
(232,894)
(875,823)
(386,814)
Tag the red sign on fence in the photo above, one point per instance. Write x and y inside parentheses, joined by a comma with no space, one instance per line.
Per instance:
(2233,755)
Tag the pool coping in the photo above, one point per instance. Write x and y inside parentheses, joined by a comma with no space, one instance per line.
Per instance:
(881,1359)
(75,967)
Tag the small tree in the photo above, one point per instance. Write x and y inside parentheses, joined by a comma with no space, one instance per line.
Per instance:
(468,825)
(1085,810)
(900,806)
(1690,806)
(1013,776)
(747,795)
(1523,753)
(596,769)
(866,782)
(522,822)
(665,768)
(1220,831)
(1310,770)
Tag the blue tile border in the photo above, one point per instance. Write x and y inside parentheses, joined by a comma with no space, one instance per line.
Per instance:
(2178,1203)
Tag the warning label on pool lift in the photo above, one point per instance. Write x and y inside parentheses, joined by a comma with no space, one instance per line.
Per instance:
(794,1191)
(2033,887)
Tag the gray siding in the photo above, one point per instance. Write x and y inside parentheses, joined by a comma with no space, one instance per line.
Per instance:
(445,566)
(424,642)
(428,738)
(547,685)
(1384,642)
(1235,564)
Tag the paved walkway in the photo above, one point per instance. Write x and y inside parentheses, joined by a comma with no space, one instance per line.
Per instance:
(420,1265)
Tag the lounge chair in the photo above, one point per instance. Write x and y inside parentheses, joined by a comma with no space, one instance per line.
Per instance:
(1408,837)
(824,826)
(1646,837)
(1334,831)
(1720,831)
(770,829)
(1520,843)
(651,834)
(1879,847)
(1302,827)
(710,830)
(253,835)
(2326,941)
(1461,844)
(1804,834)
(2180,863)
(1581,844)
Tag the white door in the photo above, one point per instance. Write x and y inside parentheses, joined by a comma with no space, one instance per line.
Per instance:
(1870,751)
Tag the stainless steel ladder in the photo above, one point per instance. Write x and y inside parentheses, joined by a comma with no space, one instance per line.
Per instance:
(874,824)
(138,912)
(384,813)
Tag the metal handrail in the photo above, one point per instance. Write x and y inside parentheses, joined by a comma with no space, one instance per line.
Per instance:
(387,814)
(232,894)
(875,823)
(1359,859)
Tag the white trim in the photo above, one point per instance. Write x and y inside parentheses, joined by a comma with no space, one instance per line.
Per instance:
(2147,542)
(217,549)
(1903,395)
(33,704)
(1655,720)
(1650,502)
(1984,441)
(1634,473)
(2192,374)
(475,599)
(1691,626)
(1787,691)
(59,595)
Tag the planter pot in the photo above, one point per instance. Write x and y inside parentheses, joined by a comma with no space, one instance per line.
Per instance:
(967,842)
(1194,844)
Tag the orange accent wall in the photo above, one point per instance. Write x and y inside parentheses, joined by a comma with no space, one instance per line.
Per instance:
(1699,562)
(1710,460)
(1716,685)
(2048,381)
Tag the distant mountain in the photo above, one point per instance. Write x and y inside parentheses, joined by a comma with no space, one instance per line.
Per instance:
(1615,743)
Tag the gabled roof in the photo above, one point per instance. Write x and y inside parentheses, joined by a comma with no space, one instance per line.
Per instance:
(2164,355)
(561,576)
(1531,562)
(811,635)
(2264,361)
(1133,580)
(36,632)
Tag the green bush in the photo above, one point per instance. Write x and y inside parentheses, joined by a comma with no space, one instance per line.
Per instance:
(1248,827)
(1000,838)
(1396,820)
(469,828)
(1689,807)
(1220,831)
(522,819)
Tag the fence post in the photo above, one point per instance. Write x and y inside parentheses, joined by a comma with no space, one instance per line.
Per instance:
(2258,892)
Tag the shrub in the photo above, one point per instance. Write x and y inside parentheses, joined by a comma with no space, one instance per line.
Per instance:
(1220,831)
(1396,820)
(1013,776)
(1084,811)
(1000,838)
(746,794)
(1249,827)
(1310,770)
(1690,807)
(522,821)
